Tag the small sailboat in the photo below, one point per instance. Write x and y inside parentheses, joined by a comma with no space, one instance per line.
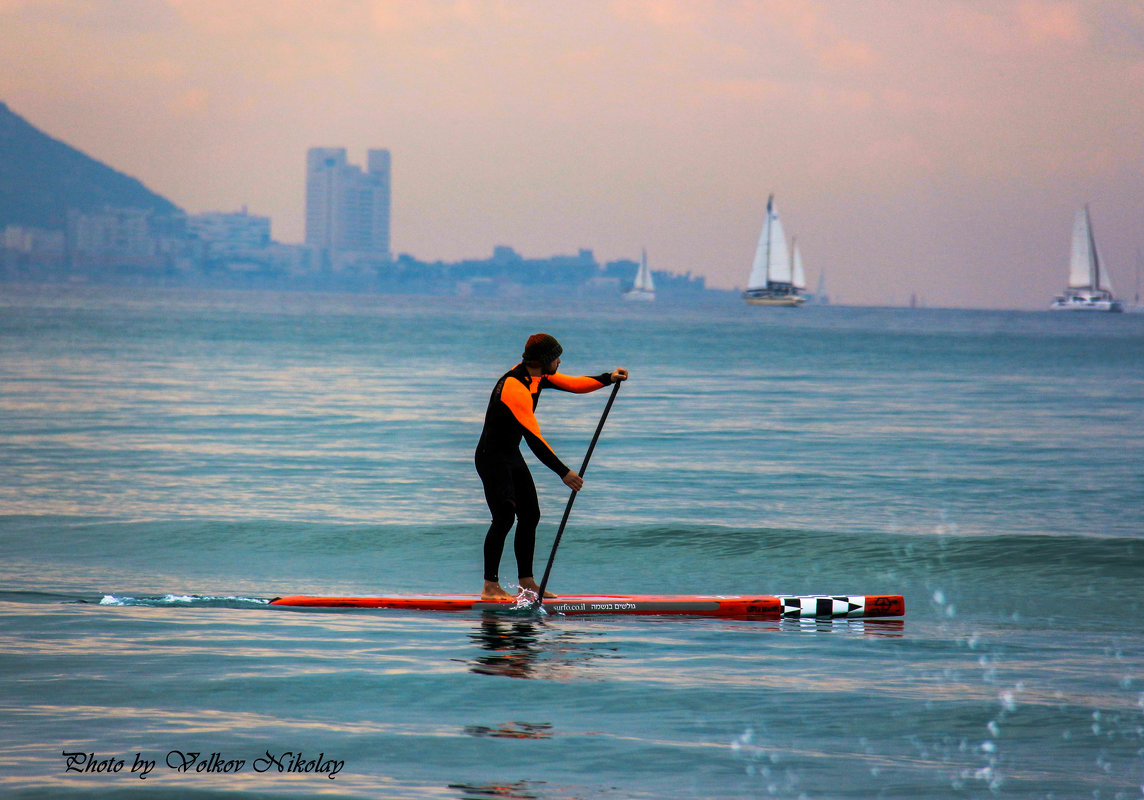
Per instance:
(776,276)
(643,290)
(1136,307)
(820,296)
(1089,288)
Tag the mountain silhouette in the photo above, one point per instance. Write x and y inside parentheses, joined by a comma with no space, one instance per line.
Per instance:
(41,178)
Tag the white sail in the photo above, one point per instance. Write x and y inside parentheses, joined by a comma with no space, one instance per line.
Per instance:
(644,282)
(798,278)
(1082,260)
(1085,270)
(772,259)
(644,287)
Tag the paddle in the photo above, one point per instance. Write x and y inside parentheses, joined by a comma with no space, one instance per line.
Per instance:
(572,497)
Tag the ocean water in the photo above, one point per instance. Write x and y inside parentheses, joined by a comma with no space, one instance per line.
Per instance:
(171,460)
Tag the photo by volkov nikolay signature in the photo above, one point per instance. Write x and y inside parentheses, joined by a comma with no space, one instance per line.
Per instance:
(287,762)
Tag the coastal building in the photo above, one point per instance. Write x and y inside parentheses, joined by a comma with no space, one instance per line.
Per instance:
(113,238)
(347,209)
(31,241)
(225,235)
(27,250)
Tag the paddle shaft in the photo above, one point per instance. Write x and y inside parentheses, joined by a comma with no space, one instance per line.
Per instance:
(572,497)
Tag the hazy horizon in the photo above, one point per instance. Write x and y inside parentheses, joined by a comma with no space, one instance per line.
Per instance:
(914,148)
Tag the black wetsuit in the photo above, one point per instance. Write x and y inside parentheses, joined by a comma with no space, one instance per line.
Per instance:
(509,489)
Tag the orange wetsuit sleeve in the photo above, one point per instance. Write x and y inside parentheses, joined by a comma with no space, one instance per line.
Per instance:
(518,399)
(578,384)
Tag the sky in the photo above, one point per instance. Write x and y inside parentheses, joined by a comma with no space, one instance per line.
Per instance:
(928,148)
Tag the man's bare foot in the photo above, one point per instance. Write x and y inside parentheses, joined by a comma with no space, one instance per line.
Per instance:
(493,592)
(529,585)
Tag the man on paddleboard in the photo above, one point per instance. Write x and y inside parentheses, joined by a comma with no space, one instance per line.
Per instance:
(509,489)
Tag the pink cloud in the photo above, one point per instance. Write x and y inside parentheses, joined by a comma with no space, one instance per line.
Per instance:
(1051,23)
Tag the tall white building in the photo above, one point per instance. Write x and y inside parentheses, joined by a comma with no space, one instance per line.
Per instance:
(347,210)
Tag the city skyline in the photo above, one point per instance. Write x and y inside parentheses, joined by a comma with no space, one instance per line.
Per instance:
(936,150)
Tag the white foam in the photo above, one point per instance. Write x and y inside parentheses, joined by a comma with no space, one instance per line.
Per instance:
(179,600)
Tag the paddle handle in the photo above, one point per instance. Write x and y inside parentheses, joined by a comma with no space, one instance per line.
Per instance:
(572,497)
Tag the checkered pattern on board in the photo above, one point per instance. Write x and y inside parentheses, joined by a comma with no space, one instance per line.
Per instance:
(823,605)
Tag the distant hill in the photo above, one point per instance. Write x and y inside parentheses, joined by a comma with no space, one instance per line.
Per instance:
(41,178)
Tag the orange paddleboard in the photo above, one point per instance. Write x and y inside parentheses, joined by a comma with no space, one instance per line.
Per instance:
(737,606)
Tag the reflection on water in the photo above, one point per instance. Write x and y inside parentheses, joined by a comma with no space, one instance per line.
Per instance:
(528,648)
(512,730)
(868,627)
(520,790)
(515,647)
(520,647)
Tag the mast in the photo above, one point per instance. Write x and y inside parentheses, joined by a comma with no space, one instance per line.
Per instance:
(778,262)
(769,232)
(1094,256)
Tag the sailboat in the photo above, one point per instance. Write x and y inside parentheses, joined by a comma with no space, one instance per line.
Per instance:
(1136,307)
(820,297)
(776,277)
(644,287)
(1089,288)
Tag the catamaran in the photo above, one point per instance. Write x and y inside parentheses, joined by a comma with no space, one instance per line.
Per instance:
(776,277)
(1089,288)
(644,288)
